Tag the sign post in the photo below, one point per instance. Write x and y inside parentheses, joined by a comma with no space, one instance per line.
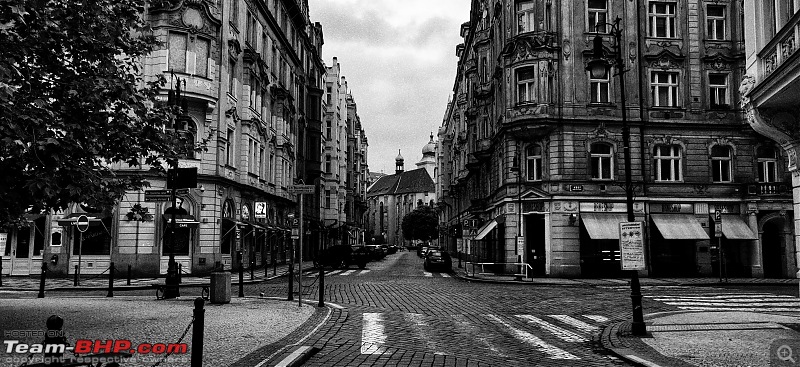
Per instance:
(631,245)
(720,252)
(83,225)
(301,190)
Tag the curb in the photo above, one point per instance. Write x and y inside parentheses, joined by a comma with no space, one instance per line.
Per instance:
(610,340)
(298,356)
(493,281)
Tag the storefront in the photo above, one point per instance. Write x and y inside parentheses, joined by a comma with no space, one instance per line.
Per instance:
(22,248)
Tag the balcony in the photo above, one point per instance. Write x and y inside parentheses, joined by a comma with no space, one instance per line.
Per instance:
(780,49)
(483,149)
(768,189)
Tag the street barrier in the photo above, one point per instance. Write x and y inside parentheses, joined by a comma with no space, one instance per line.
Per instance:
(518,266)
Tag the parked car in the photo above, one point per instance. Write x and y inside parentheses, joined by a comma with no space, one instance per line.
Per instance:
(342,256)
(438,260)
(376,251)
(421,250)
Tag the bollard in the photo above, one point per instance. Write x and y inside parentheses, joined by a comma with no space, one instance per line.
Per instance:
(291,282)
(54,336)
(111,280)
(321,287)
(1,271)
(252,265)
(241,276)
(129,275)
(41,281)
(180,272)
(75,282)
(197,333)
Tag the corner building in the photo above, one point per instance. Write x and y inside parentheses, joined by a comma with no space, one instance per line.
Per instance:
(531,149)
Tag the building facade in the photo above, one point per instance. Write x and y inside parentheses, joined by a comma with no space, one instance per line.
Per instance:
(771,85)
(391,197)
(251,77)
(531,148)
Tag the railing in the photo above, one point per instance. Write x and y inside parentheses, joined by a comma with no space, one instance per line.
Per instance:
(503,266)
(781,47)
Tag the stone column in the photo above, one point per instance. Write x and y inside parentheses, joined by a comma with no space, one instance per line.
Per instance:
(756,263)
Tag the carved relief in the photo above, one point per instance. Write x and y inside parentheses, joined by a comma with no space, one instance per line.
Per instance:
(745,86)
(567,49)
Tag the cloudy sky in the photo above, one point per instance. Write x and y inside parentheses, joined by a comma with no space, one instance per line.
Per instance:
(399,61)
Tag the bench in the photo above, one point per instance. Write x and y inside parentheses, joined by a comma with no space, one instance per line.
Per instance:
(205,293)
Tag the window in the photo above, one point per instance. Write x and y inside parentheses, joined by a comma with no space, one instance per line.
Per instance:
(327,198)
(328,164)
(526,21)
(715,22)
(261,162)
(232,77)
(533,155)
(597,15)
(177,51)
(202,49)
(718,90)
(328,126)
(97,240)
(251,31)
(662,19)
(667,159)
(526,85)
(252,156)
(664,88)
(254,93)
(234,12)
(229,156)
(721,163)
(602,160)
(484,70)
(187,130)
(767,164)
(599,88)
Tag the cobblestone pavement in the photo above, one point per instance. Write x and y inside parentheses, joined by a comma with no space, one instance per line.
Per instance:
(396,314)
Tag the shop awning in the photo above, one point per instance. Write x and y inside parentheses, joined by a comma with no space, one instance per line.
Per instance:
(181,221)
(488,227)
(95,219)
(603,226)
(679,227)
(734,228)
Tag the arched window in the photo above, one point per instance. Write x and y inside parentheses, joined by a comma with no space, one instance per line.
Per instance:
(721,158)
(601,156)
(533,158)
(767,164)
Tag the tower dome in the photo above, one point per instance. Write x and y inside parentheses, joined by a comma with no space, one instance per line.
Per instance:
(430,148)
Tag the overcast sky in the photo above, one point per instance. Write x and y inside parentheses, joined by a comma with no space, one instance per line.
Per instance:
(399,61)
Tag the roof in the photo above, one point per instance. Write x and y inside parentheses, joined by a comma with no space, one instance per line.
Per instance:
(413,181)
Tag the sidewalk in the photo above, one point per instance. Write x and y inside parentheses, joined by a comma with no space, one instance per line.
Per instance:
(690,338)
(31,283)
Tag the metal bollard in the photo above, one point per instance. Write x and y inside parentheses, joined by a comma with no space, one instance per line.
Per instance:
(241,275)
(197,333)
(129,275)
(321,287)
(41,281)
(75,282)
(291,282)
(1,271)
(111,280)
(252,265)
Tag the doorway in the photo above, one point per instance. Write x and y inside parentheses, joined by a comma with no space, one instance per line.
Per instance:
(773,248)
(535,240)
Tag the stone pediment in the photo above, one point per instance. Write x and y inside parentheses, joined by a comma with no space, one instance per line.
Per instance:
(666,58)
(531,46)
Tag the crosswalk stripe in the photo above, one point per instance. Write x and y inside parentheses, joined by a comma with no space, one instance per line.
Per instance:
(726,296)
(373,335)
(444,275)
(746,304)
(558,332)
(551,351)
(596,318)
(363,272)
(427,274)
(423,330)
(347,272)
(334,272)
(576,323)
(471,329)
(751,309)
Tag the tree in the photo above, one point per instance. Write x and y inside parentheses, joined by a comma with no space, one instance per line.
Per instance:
(421,224)
(73,103)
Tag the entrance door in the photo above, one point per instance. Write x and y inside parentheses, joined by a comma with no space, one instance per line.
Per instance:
(772,249)
(21,253)
(535,239)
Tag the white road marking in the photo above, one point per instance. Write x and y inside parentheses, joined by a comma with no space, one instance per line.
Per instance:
(725,296)
(471,329)
(427,274)
(333,272)
(750,304)
(363,272)
(750,309)
(552,352)
(558,332)
(580,325)
(597,318)
(444,275)
(422,330)
(373,335)
(642,361)
(347,272)
(291,357)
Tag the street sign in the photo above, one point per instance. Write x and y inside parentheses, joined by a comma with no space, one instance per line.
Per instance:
(157,195)
(260,210)
(302,189)
(295,233)
(82,223)
(718,229)
(631,245)
(295,222)
(718,216)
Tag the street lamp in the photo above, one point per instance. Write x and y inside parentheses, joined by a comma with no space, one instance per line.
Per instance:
(599,66)
(176,99)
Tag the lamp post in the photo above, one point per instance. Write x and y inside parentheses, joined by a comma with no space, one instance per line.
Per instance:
(599,67)
(176,99)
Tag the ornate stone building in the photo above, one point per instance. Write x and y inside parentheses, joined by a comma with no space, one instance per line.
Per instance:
(531,164)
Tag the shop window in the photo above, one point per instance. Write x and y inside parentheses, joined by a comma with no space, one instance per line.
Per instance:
(767,164)
(602,161)
(667,160)
(38,236)
(96,240)
(721,163)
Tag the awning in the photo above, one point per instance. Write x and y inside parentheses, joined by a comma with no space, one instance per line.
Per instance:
(488,227)
(95,219)
(679,227)
(181,221)
(734,228)
(603,226)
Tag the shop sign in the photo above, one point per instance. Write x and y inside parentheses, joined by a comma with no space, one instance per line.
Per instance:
(260,210)
(672,208)
(631,245)
(604,207)
(520,245)
(724,208)
(3,240)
